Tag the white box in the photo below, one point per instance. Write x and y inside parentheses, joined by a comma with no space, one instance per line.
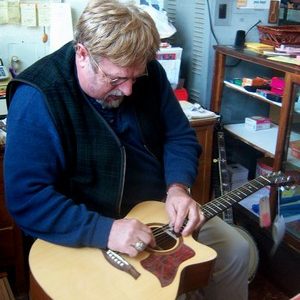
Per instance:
(257,123)
(169,53)
(170,59)
(238,173)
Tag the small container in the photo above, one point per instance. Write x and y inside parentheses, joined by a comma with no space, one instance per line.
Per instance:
(277,85)
(264,166)
(295,147)
(279,35)
(257,123)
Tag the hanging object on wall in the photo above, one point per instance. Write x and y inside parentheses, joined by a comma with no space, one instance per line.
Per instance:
(44,36)
(274,12)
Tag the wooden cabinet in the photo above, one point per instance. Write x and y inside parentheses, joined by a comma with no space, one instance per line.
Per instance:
(271,143)
(202,187)
(11,244)
(274,143)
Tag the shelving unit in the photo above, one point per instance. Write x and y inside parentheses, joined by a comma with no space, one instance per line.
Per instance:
(270,142)
(273,142)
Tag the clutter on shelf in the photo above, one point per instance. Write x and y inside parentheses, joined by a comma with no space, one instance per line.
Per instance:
(271,89)
(196,111)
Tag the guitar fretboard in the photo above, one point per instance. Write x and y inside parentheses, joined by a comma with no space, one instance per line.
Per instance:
(220,204)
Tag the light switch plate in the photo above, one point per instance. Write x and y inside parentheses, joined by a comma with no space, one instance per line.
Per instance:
(223,12)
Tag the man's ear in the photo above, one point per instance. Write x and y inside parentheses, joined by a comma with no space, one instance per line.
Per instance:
(81,53)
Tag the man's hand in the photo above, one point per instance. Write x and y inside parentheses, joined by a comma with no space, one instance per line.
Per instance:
(181,206)
(125,233)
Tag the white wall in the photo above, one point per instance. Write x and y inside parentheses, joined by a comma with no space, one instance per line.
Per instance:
(26,42)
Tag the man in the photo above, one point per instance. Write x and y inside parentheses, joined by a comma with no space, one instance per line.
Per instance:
(94,129)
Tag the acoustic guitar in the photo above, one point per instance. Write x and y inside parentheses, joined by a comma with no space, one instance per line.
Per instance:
(177,264)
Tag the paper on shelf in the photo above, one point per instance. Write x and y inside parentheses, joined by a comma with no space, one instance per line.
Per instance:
(285,59)
(196,111)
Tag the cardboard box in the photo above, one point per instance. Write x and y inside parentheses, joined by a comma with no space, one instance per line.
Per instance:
(257,123)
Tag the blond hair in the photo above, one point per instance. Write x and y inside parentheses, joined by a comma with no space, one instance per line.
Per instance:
(123,33)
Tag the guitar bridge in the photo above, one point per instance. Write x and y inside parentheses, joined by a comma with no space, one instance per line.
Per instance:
(120,263)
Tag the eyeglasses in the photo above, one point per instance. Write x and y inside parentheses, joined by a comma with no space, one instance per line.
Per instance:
(116,80)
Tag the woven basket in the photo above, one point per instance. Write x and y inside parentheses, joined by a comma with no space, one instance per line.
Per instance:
(279,35)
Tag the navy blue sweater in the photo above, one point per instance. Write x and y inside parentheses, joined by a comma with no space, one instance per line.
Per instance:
(34,160)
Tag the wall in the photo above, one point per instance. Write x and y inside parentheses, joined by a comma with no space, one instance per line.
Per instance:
(26,42)
(241,19)
(193,35)
(191,18)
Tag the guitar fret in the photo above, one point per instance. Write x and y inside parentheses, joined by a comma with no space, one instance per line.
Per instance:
(208,214)
(241,192)
(232,198)
(225,206)
(215,211)
(260,183)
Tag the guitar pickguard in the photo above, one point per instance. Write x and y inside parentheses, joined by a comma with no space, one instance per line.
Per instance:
(165,267)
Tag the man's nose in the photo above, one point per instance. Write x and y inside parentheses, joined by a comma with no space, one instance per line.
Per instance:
(126,87)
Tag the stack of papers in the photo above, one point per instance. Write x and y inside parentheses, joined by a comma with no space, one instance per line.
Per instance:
(196,111)
(286,59)
(258,47)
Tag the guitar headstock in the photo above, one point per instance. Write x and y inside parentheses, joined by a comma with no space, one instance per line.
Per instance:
(279,179)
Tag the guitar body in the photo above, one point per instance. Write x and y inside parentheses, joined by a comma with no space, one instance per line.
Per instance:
(179,264)
(60,272)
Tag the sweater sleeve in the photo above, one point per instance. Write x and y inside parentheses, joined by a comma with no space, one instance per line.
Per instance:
(181,147)
(33,164)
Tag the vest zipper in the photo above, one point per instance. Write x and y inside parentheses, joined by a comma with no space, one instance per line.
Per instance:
(143,139)
(123,158)
(123,154)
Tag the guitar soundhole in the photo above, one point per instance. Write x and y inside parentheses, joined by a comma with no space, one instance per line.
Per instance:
(165,239)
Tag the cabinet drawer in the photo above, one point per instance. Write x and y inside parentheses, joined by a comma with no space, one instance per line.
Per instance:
(7,244)
(5,218)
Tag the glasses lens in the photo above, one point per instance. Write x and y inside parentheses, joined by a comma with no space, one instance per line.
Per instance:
(117,81)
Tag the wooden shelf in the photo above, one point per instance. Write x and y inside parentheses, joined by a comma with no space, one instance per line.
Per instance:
(257,58)
(262,140)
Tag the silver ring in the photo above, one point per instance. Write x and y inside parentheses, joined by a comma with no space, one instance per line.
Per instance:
(140,246)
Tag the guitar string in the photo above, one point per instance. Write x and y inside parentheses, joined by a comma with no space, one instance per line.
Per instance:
(210,208)
(217,205)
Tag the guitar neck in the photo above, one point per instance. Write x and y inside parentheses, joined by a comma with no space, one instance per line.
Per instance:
(224,176)
(222,203)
